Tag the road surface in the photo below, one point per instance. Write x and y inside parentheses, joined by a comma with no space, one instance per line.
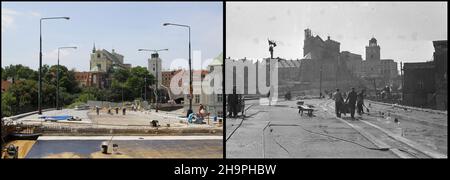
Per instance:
(279,131)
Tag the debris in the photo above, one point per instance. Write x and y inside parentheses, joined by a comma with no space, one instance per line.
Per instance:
(155,123)
(115,148)
(104,147)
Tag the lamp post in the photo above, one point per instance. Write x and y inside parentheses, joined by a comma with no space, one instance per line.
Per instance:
(57,76)
(145,88)
(403,84)
(190,66)
(40,61)
(156,72)
(320,82)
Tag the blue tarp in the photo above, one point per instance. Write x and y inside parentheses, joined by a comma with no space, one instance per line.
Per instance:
(56,117)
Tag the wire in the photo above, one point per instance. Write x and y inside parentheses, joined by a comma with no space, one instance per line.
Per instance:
(243,117)
(346,140)
(281,146)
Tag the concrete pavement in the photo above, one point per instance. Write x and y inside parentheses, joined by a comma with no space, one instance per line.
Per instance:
(290,135)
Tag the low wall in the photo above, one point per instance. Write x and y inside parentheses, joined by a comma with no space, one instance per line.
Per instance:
(26,114)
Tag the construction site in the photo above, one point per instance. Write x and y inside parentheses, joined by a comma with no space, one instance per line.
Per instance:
(130,133)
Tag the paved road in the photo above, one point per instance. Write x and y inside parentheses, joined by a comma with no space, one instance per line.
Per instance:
(291,135)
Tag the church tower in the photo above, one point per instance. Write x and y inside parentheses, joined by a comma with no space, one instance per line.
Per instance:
(373,50)
(307,42)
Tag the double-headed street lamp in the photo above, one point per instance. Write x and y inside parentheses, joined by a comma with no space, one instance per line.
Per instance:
(190,67)
(57,76)
(40,61)
(156,72)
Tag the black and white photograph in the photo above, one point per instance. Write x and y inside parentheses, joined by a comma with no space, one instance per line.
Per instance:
(336,79)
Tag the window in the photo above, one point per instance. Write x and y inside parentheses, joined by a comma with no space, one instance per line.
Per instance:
(420,84)
(219,98)
(98,55)
(197,98)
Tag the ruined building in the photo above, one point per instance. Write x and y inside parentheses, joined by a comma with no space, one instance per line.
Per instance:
(425,83)
(322,62)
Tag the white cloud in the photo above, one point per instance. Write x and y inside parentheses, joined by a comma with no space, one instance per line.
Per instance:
(35,14)
(8,18)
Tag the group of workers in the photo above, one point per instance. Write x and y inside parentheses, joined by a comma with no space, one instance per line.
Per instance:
(352,101)
(97,109)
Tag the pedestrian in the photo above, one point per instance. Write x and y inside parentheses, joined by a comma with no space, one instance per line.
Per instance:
(338,102)
(201,111)
(123,110)
(351,101)
(360,102)
(117,110)
(98,110)
(232,104)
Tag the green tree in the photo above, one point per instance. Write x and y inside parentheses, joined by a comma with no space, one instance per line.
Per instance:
(19,72)
(120,75)
(25,93)
(8,101)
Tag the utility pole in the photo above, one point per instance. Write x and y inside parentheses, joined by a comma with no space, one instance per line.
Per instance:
(40,61)
(189,111)
(337,70)
(145,88)
(320,82)
(57,76)
(403,81)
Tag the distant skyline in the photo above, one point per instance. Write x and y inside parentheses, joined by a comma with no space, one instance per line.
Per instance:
(404,30)
(123,26)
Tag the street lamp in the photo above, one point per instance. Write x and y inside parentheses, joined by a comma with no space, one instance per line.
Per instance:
(57,76)
(40,60)
(156,89)
(190,67)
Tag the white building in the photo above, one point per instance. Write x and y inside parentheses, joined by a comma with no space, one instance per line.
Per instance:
(154,67)
(203,92)
(103,60)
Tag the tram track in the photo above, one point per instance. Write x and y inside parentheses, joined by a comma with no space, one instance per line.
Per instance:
(384,138)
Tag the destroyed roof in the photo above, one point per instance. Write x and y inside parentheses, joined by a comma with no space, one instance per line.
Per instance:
(307,56)
(112,57)
(288,63)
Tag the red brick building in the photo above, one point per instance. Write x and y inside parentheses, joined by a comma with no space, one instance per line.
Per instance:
(91,79)
(5,85)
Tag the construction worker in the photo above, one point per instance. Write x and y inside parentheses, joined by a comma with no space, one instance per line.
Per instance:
(351,101)
(360,102)
(339,100)
(98,110)
(232,104)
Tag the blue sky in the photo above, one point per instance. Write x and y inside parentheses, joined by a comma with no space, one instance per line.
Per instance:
(123,26)
(404,30)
